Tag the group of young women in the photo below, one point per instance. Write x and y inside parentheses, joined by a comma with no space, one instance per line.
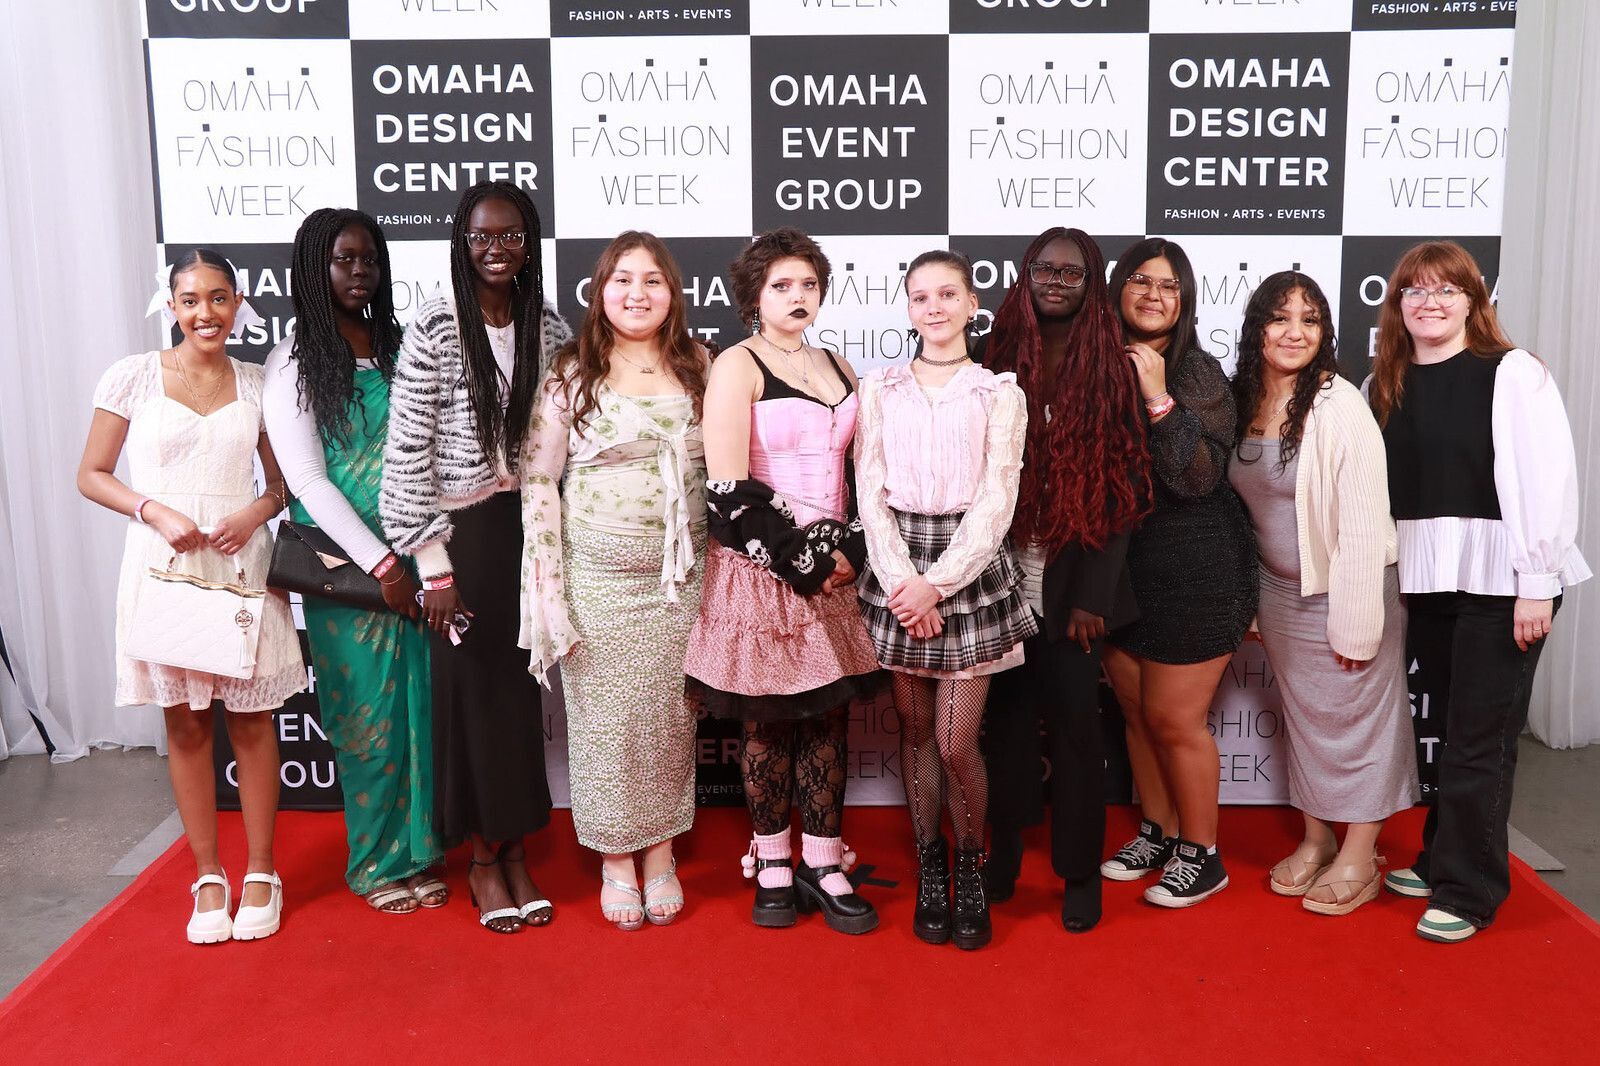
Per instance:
(763,537)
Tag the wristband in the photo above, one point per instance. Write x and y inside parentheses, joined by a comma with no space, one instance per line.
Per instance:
(138,511)
(1157,401)
(384,567)
(438,584)
(1162,409)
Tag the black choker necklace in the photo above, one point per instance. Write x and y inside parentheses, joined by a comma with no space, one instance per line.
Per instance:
(943,362)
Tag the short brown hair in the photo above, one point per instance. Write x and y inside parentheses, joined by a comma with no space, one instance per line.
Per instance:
(749,270)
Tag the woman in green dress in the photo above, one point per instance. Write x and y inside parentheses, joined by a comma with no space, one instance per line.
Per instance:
(326,407)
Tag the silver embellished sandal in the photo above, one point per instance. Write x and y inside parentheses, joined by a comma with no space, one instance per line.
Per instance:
(614,910)
(662,900)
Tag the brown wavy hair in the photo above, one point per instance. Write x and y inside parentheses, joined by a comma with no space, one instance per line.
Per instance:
(1449,262)
(749,271)
(584,361)
(1085,470)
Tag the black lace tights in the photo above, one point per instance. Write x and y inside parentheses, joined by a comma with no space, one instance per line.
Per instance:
(939,754)
(803,760)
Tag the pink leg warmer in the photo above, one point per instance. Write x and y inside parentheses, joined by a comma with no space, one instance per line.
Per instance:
(774,846)
(826,851)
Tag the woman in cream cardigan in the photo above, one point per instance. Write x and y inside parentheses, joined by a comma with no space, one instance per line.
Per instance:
(1310,469)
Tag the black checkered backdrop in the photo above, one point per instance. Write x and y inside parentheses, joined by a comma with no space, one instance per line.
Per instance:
(1324,135)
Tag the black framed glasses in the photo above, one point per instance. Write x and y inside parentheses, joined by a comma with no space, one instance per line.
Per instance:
(1416,295)
(481,241)
(1141,284)
(1071,275)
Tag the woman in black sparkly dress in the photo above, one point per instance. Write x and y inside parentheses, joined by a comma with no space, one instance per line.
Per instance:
(1193,567)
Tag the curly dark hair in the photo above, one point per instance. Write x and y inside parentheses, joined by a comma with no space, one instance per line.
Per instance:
(583,362)
(1248,386)
(749,270)
(325,360)
(1086,469)
(497,430)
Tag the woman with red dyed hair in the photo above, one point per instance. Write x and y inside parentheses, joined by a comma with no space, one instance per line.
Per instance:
(1085,477)
(1483,486)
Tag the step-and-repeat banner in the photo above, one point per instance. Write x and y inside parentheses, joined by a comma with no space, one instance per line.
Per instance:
(1320,135)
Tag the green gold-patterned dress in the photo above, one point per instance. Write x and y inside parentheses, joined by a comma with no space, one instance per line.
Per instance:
(611,588)
(373,683)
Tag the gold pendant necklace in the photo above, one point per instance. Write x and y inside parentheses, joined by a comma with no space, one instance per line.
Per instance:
(640,367)
(202,405)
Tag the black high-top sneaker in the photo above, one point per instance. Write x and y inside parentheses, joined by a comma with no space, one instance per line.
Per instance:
(1144,854)
(1190,876)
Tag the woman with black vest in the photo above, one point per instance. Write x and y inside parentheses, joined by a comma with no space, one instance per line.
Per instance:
(1484,488)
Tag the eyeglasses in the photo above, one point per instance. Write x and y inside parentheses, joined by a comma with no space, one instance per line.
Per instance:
(1416,295)
(1141,284)
(1046,274)
(345,259)
(481,240)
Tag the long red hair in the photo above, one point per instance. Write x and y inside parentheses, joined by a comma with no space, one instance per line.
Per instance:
(1085,470)
(1445,261)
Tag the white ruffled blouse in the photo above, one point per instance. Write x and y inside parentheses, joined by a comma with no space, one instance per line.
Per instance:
(956,449)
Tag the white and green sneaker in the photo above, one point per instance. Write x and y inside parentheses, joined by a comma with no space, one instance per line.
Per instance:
(1443,927)
(1407,883)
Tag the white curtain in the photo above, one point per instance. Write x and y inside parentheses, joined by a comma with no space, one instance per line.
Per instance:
(1550,303)
(77,242)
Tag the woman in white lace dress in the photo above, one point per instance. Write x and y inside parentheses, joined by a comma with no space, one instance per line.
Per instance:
(190,421)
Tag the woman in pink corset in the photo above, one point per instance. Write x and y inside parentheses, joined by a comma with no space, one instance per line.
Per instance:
(779,644)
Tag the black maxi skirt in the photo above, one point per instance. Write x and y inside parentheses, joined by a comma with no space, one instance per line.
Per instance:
(488,722)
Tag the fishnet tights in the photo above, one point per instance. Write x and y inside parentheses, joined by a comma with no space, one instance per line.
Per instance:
(939,756)
(802,760)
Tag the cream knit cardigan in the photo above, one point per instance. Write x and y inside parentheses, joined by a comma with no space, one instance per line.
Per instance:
(1341,507)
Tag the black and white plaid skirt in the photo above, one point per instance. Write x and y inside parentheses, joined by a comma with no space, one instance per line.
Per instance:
(982,621)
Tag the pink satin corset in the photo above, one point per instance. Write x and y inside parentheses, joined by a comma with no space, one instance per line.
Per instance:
(798,447)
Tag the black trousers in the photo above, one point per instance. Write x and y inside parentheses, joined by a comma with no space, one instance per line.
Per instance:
(1057,686)
(1486,684)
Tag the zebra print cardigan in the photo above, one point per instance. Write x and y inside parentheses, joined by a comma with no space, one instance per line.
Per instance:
(432,463)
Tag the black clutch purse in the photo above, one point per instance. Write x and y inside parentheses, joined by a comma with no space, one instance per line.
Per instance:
(308,561)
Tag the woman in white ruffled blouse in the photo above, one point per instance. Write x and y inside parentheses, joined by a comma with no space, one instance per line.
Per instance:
(1484,489)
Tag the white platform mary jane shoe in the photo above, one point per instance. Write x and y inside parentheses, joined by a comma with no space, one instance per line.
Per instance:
(210,927)
(253,923)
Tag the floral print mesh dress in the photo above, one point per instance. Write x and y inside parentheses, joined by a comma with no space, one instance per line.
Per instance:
(611,586)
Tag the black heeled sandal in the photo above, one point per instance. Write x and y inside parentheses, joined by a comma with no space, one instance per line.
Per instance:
(848,913)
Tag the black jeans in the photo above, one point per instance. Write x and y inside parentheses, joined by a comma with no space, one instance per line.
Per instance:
(1486,684)
(1058,685)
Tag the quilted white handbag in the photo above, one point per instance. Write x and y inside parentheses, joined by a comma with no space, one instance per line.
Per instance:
(189,622)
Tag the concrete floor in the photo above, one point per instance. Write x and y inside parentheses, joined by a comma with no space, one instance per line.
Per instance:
(74,835)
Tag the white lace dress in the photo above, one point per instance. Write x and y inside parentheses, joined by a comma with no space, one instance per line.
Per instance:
(202,467)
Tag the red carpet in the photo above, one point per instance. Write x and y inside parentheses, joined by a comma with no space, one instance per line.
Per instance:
(1245,977)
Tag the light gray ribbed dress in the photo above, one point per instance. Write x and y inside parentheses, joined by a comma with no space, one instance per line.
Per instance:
(1348,737)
